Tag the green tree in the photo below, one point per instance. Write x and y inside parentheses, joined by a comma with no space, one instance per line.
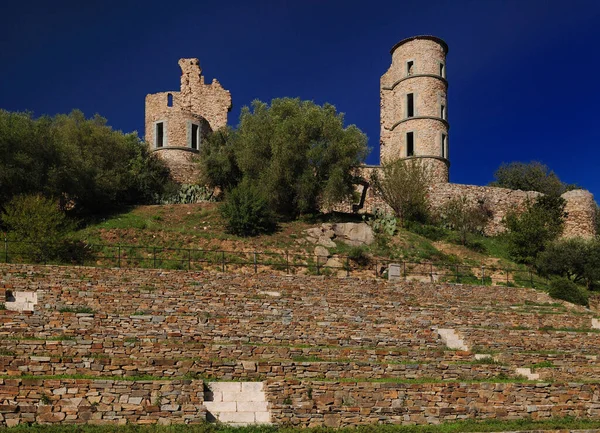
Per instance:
(403,185)
(576,259)
(529,232)
(218,160)
(464,217)
(83,162)
(38,222)
(100,169)
(533,176)
(299,153)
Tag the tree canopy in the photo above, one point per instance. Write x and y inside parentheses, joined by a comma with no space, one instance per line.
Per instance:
(528,233)
(533,176)
(82,162)
(299,153)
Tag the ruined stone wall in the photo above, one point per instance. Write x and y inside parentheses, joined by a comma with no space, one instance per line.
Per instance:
(580,204)
(197,103)
(498,200)
(341,404)
(183,165)
(211,101)
(76,401)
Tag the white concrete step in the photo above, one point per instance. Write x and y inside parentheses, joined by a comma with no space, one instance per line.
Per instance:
(451,339)
(237,403)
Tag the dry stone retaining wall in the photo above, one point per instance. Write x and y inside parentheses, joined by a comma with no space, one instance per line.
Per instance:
(369,336)
(76,401)
(339,404)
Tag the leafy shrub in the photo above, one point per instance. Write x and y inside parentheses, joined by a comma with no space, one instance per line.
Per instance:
(530,231)
(567,290)
(403,185)
(359,255)
(38,223)
(465,218)
(247,211)
(576,259)
(429,231)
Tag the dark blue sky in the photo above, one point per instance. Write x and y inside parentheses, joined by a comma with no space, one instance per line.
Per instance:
(523,74)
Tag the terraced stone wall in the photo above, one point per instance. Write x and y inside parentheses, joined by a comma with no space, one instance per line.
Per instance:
(341,350)
(76,401)
(337,404)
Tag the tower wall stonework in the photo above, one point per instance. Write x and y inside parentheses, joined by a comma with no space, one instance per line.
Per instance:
(197,103)
(419,69)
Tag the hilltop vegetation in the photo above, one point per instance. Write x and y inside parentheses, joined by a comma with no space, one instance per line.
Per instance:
(71,181)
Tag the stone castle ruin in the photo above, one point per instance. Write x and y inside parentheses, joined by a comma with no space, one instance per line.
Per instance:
(177,122)
(414,125)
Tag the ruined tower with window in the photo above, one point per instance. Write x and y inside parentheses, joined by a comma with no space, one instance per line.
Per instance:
(177,122)
(414,105)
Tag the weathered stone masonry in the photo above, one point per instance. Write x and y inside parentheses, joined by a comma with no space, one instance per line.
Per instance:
(414,125)
(77,401)
(177,122)
(289,333)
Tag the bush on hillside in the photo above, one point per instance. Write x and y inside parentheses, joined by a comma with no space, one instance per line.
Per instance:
(35,226)
(247,212)
(403,185)
(533,176)
(464,218)
(576,259)
(567,290)
(298,153)
(530,231)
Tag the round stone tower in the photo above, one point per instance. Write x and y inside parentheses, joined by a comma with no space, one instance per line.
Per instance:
(414,107)
(178,122)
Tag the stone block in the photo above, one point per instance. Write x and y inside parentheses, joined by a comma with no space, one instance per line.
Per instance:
(252,386)
(220,406)
(241,417)
(12,422)
(252,406)
(225,387)
(262,417)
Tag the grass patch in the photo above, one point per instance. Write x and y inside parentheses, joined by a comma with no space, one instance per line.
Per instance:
(543,364)
(451,427)
(584,330)
(77,309)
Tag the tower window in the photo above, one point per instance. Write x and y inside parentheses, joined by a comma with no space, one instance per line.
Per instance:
(409,67)
(410,144)
(444,146)
(410,105)
(169,100)
(160,134)
(443,112)
(442,70)
(195,131)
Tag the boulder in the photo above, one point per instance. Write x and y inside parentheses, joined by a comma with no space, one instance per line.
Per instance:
(326,242)
(321,251)
(354,234)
